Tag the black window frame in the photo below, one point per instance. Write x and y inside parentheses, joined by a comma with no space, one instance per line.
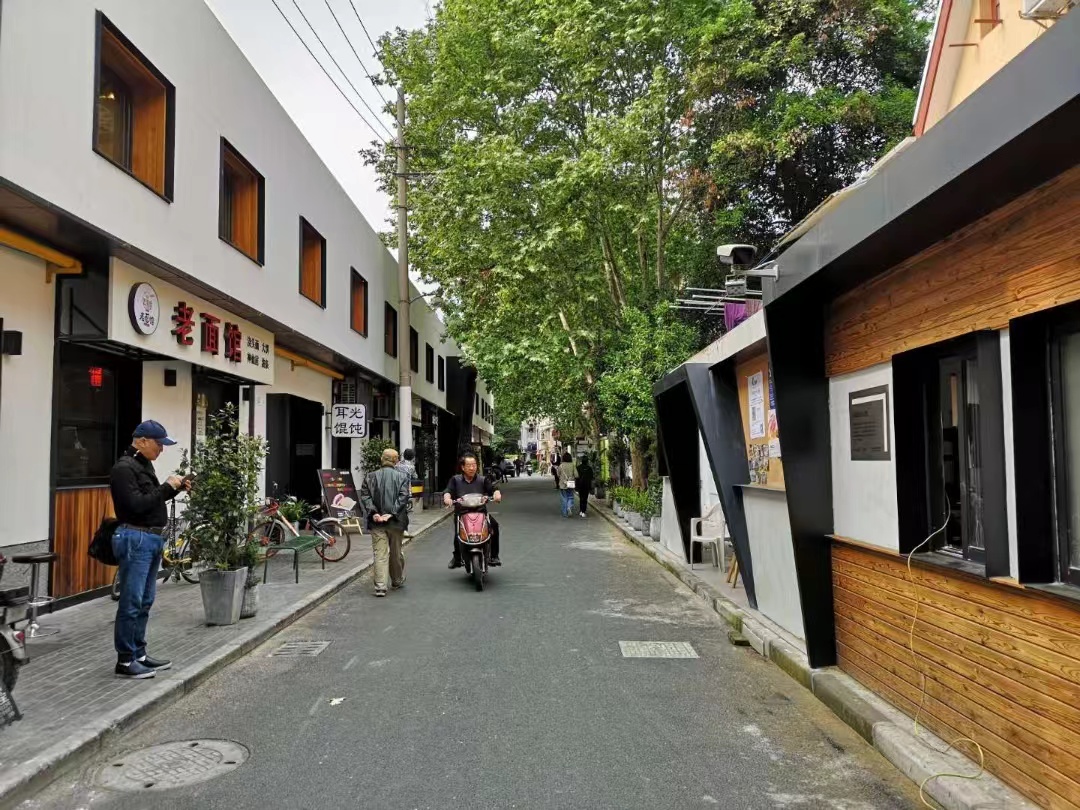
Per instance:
(355,276)
(307,226)
(429,362)
(442,373)
(225,208)
(414,350)
(1068,324)
(390,329)
(917,396)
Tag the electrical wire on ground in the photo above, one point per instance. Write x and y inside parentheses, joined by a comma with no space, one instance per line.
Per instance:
(337,87)
(922,676)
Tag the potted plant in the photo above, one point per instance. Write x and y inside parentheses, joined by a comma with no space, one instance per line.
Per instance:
(601,489)
(249,556)
(655,497)
(222,505)
(295,510)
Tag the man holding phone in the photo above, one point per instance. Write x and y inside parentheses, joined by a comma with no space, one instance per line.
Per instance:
(140,501)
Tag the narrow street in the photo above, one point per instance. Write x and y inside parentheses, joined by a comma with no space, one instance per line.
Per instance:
(441,697)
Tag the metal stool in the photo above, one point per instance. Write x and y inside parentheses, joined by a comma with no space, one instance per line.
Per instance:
(37,599)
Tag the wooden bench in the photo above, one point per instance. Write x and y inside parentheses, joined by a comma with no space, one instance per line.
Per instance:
(305,542)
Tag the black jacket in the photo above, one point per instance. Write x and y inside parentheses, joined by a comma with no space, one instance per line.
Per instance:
(387,491)
(480,485)
(137,496)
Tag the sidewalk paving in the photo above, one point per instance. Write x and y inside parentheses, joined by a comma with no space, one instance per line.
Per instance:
(70,700)
(923,757)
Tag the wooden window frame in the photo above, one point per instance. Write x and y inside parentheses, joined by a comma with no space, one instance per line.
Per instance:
(429,362)
(307,230)
(390,330)
(442,373)
(154,105)
(414,350)
(354,278)
(232,161)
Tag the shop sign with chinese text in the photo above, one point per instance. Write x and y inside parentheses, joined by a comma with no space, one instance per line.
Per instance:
(185,327)
(348,421)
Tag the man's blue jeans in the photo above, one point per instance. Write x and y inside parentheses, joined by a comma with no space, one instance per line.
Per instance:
(139,555)
(567,501)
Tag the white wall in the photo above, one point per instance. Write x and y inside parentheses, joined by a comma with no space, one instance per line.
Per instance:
(864,492)
(670,533)
(46,109)
(172,407)
(710,495)
(775,583)
(27,305)
(1010,461)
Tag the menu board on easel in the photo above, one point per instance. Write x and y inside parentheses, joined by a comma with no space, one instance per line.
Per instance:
(339,493)
(757,404)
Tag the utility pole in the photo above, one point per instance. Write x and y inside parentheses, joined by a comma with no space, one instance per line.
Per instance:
(405,438)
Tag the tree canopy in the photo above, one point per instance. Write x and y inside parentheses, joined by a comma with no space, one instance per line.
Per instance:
(577,161)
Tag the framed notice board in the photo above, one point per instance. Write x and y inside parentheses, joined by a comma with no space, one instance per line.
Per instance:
(760,432)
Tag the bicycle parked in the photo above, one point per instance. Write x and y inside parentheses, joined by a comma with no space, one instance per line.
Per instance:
(274,530)
(176,560)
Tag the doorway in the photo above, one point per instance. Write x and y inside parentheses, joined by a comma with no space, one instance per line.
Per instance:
(294,432)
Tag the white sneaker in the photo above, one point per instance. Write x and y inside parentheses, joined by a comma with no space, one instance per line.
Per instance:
(582,514)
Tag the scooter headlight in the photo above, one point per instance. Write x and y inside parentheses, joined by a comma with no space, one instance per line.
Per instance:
(20,636)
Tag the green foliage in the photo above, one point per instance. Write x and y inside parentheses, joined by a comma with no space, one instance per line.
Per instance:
(371,454)
(295,509)
(224,499)
(425,447)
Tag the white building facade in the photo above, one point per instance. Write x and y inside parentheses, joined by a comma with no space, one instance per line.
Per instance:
(170,243)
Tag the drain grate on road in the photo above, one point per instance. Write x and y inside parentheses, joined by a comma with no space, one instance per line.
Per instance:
(172,765)
(657,649)
(301,649)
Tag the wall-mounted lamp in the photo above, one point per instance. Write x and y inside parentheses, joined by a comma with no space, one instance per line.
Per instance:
(11,343)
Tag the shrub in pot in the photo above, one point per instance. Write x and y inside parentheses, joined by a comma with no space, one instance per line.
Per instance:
(654,528)
(222,505)
(295,510)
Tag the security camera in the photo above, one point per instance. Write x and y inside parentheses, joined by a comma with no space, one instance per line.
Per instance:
(737,254)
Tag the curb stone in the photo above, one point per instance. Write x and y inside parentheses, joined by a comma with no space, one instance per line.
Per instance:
(29,777)
(876,721)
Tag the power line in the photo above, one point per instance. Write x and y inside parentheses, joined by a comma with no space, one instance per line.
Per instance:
(374,47)
(358,59)
(337,87)
(343,73)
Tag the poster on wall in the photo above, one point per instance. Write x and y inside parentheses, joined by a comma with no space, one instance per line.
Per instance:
(339,493)
(773,435)
(759,464)
(757,405)
(868,415)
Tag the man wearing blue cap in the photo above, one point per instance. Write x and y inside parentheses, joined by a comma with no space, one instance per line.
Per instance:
(139,501)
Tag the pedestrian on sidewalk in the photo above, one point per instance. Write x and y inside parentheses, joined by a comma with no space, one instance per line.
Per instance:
(584,483)
(139,501)
(566,476)
(385,496)
(408,466)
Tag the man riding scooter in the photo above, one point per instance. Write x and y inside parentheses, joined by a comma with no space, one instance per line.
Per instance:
(469,483)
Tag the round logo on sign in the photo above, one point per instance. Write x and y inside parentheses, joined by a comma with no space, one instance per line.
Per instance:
(144,309)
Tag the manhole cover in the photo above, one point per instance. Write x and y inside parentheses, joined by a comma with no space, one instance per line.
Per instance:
(295,649)
(657,649)
(172,765)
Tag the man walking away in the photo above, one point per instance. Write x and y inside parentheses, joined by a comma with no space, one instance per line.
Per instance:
(408,466)
(385,496)
(565,477)
(584,483)
(139,501)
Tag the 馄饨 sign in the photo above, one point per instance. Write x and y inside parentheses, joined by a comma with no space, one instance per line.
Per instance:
(348,422)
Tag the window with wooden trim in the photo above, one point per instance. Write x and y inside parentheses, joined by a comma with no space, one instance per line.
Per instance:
(241,204)
(390,330)
(414,350)
(312,264)
(1065,405)
(358,303)
(429,363)
(134,108)
(442,374)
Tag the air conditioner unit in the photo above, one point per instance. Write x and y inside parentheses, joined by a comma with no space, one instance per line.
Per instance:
(1044,9)
(385,406)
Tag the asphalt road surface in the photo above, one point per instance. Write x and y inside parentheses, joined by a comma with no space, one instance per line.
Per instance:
(517,697)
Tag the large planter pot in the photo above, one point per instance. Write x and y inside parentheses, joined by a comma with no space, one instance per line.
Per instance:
(601,494)
(654,528)
(222,595)
(617,508)
(634,519)
(250,604)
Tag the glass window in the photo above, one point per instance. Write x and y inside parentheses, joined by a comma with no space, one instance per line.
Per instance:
(114,108)
(86,426)
(1069,425)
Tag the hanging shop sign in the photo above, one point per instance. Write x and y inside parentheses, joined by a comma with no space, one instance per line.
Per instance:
(151,314)
(348,421)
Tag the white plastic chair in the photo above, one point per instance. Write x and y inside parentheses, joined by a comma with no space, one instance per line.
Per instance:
(710,530)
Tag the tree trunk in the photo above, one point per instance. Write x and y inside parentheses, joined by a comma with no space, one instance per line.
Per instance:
(640,478)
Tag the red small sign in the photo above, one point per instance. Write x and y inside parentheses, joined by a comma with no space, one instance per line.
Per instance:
(184,318)
(97,374)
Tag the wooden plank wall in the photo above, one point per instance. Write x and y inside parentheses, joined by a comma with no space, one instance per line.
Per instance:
(1002,664)
(76,515)
(1022,258)
(743,372)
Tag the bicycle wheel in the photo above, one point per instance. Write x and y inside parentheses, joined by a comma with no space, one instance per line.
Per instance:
(189,569)
(337,543)
(269,533)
